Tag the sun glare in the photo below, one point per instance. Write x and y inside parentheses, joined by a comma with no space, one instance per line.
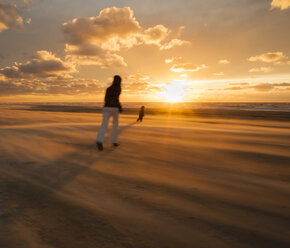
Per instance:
(173,92)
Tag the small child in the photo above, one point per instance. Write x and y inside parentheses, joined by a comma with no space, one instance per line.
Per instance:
(141,114)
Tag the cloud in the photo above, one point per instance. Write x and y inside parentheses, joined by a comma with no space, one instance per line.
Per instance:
(168,61)
(43,64)
(238,83)
(139,85)
(260,86)
(281,85)
(50,87)
(97,39)
(103,59)
(268,57)
(261,69)
(281,4)
(173,43)
(173,59)
(10,17)
(187,67)
(159,36)
(138,77)
(113,25)
(224,61)
(24,1)
(28,21)
(137,88)
(71,86)
(279,63)
(268,86)
(235,88)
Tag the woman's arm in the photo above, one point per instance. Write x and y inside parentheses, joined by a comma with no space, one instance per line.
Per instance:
(107,97)
(118,101)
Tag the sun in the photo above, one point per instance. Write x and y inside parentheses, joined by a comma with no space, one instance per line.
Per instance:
(173,92)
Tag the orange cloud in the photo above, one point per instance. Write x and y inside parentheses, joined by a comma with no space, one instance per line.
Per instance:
(171,60)
(10,17)
(28,21)
(224,61)
(43,64)
(137,88)
(238,83)
(138,77)
(156,35)
(263,87)
(168,61)
(268,57)
(111,23)
(187,67)
(260,86)
(71,86)
(50,87)
(279,63)
(24,1)
(102,59)
(173,43)
(97,39)
(268,86)
(235,88)
(281,4)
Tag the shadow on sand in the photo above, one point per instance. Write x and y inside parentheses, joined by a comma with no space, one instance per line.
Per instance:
(124,128)
(37,185)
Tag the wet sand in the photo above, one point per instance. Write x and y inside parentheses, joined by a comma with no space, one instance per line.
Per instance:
(173,182)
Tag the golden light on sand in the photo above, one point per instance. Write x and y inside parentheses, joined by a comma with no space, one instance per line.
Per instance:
(173,92)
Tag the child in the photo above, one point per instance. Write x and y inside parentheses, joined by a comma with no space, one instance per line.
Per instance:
(141,114)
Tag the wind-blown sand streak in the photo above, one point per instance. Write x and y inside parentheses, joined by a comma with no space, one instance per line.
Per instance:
(173,182)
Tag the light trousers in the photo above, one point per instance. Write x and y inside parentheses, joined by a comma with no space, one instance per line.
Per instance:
(107,113)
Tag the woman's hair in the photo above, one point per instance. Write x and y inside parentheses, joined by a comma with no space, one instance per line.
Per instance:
(117,81)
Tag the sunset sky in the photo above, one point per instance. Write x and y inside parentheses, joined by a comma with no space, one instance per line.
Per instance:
(174,50)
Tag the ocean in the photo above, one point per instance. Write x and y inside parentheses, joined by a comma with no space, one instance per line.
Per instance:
(249,106)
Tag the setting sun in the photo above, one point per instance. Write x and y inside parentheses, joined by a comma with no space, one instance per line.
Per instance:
(173,92)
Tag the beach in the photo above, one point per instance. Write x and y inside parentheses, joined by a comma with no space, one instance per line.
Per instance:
(176,180)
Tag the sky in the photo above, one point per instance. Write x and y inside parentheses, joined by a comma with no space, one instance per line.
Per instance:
(174,50)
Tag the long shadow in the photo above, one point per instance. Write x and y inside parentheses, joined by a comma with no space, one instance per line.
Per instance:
(38,187)
(33,190)
(45,179)
(124,128)
(34,186)
(48,178)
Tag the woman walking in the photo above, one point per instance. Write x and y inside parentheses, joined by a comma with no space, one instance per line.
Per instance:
(112,108)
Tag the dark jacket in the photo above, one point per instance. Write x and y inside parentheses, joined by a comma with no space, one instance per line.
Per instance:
(112,97)
(141,112)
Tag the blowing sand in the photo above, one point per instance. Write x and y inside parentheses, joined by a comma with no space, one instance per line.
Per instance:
(173,182)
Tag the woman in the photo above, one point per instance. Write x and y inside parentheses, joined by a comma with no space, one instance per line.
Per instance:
(112,108)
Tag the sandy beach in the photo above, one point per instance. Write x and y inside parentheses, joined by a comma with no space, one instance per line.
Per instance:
(174,181)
